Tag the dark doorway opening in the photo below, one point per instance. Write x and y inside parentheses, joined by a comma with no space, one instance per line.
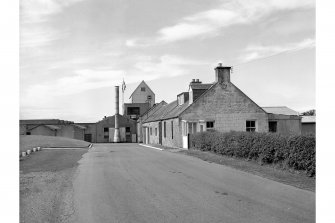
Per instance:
(272,126)
(160,132)
(88,137)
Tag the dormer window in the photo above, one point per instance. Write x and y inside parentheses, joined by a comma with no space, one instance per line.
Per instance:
(142,88)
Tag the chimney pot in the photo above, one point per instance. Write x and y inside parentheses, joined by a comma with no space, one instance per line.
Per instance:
(222,73)
(197,80)
(193,80)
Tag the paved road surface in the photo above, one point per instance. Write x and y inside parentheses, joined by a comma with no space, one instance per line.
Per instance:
(130,183)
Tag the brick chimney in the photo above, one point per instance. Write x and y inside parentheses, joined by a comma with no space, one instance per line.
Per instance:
(222,74)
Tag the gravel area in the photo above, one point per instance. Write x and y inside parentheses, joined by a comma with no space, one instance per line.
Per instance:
(46,190)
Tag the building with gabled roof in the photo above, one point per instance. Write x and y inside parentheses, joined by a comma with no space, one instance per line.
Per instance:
(219,106)
(142,99)
(143,94)
(308,125)
(52,127)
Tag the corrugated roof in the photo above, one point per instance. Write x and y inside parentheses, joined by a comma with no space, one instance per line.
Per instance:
(280,110)
(79,126)
(44,122)
(52,127)
(200,86)
(308,119)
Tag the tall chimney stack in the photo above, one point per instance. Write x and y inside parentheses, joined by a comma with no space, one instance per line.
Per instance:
(117,130)
(222,74)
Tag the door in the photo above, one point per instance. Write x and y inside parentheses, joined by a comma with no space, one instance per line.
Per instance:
(160,132)
(88,137)
(123,134)
(128,135)
(147,134)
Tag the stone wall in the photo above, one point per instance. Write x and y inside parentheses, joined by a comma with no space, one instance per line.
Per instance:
(168,139)
(228,107)
(153,137)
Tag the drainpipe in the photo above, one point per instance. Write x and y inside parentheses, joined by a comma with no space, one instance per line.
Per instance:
(117,130)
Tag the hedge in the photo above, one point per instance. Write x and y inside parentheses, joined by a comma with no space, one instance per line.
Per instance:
(295,152)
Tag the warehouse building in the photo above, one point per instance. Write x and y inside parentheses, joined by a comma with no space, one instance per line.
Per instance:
(52,127)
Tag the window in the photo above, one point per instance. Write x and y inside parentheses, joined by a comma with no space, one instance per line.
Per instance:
(142,88)
(251,126)
(149,97)
(133,111)
(272,126)
(127,129)
(106,133)
(155,131)
(28,133)
(210,125)
(172,129)
(164,129)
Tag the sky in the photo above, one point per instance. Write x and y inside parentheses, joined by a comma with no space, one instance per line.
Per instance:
(73,52)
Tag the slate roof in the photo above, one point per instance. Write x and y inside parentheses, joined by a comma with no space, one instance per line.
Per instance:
(152,110)
(280,110)
(176,111)
(168,111)
(161,112)
(308,119)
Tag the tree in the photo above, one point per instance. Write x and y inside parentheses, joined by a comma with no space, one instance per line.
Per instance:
(311,112)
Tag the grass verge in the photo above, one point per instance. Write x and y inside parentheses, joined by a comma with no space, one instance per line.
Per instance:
(296,179)
(31,141)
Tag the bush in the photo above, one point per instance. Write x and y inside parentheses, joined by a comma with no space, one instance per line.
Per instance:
(296,152)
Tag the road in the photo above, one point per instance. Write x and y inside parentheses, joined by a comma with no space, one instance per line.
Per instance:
(131,183)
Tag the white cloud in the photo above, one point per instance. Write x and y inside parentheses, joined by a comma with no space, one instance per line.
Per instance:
(199,24)
(166,66)
(34,31)
(254,52)
(148,68)
(228,13)
(36,36)
(38,10)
